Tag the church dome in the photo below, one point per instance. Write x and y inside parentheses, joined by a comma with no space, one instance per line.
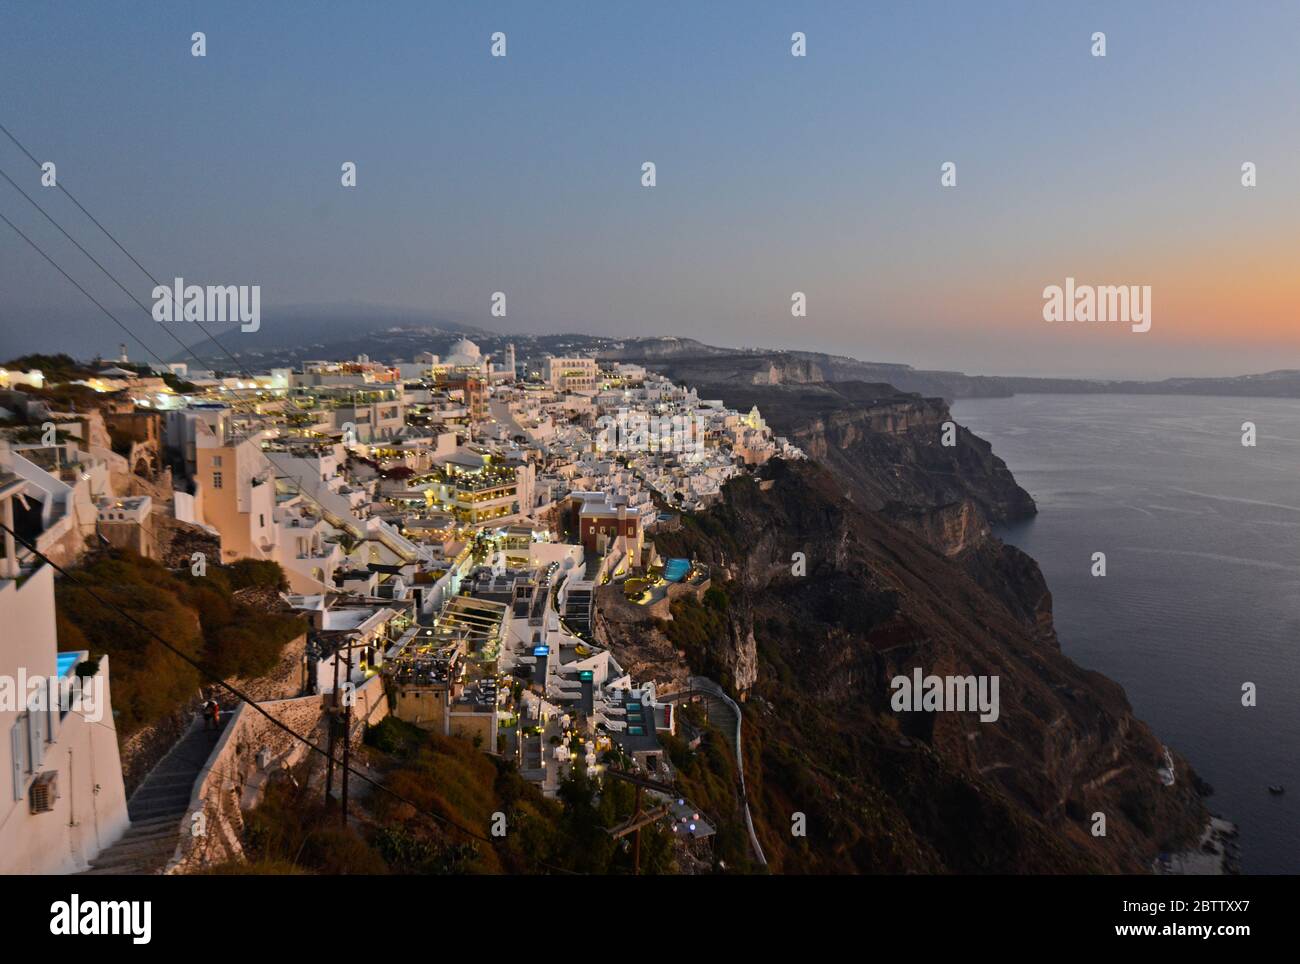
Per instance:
(465,350)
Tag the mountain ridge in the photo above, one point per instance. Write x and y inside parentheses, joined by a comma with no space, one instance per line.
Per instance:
(292,335)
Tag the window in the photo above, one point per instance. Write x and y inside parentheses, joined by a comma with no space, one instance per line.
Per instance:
(216,480)
(20,760)
(18,754)
(216,461)
(36,721)
(261,520)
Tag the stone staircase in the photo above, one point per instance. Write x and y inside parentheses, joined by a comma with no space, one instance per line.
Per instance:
(157,806)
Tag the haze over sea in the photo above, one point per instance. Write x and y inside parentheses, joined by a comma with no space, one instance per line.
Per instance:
(1202,585)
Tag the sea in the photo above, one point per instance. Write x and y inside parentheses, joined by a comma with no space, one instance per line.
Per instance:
(1201,593)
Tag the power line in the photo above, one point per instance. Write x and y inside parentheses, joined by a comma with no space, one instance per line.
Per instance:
(77,203)
(213,677)
(154,355)
(138,340)
(150,351)
(147,273)
(95,301)
(186,348)
(190,351)
(95,261)
(111,277)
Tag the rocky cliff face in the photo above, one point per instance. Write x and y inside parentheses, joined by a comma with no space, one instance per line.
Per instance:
(774,368)
(888,446)
(871,561)
(896,450)
(906,791)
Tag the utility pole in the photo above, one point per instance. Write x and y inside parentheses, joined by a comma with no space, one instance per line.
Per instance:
(347,737)
(640,818)
(333,719)
(636,837)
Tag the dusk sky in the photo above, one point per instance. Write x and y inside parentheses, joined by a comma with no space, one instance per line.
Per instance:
(775,174)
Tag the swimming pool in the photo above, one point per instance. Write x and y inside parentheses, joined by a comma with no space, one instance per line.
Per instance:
(676,569)
(66,662)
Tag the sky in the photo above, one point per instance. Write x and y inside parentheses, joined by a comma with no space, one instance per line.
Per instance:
(775,173)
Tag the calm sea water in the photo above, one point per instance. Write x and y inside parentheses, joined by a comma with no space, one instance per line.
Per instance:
(1202,585)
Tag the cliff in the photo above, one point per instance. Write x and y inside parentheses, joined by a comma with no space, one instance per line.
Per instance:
(888,791)
(887,446)
(903,573)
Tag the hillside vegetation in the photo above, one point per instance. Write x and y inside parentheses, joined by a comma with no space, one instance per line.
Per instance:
(444,787)
(199,615)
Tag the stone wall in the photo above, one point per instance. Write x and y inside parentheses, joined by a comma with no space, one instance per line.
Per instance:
(696,588)
(618,609)
(250,752)
(142,750)
(371,704)
(285,680)
(177,542)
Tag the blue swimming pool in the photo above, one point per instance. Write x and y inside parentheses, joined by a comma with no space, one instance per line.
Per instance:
(66,662)
(676,569)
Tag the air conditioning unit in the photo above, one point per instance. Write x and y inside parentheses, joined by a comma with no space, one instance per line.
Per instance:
(45,790)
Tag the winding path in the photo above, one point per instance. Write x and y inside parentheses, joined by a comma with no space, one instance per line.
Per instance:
(719,704)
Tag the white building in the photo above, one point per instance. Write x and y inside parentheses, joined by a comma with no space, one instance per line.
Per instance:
(237,489)
(569,374)
(65,801)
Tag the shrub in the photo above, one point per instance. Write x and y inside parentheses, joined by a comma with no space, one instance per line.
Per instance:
(195,615)
(258,573)
(393,736)
(333,849)
(404,850)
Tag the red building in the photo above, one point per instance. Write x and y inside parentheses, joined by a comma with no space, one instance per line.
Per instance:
(597,519)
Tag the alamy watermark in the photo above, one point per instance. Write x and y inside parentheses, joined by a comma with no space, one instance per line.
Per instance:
(946,694)
(210,303)
(40,693)
(129,918)
(1123,303)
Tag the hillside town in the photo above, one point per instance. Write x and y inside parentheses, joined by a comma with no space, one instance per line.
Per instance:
(444,532)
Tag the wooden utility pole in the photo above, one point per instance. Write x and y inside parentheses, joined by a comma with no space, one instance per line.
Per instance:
(636,836)
(333,719)
(639,817)
(329,767)
(633,826)
(347,737)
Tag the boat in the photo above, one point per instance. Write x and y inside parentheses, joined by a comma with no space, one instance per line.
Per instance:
(1276,789)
